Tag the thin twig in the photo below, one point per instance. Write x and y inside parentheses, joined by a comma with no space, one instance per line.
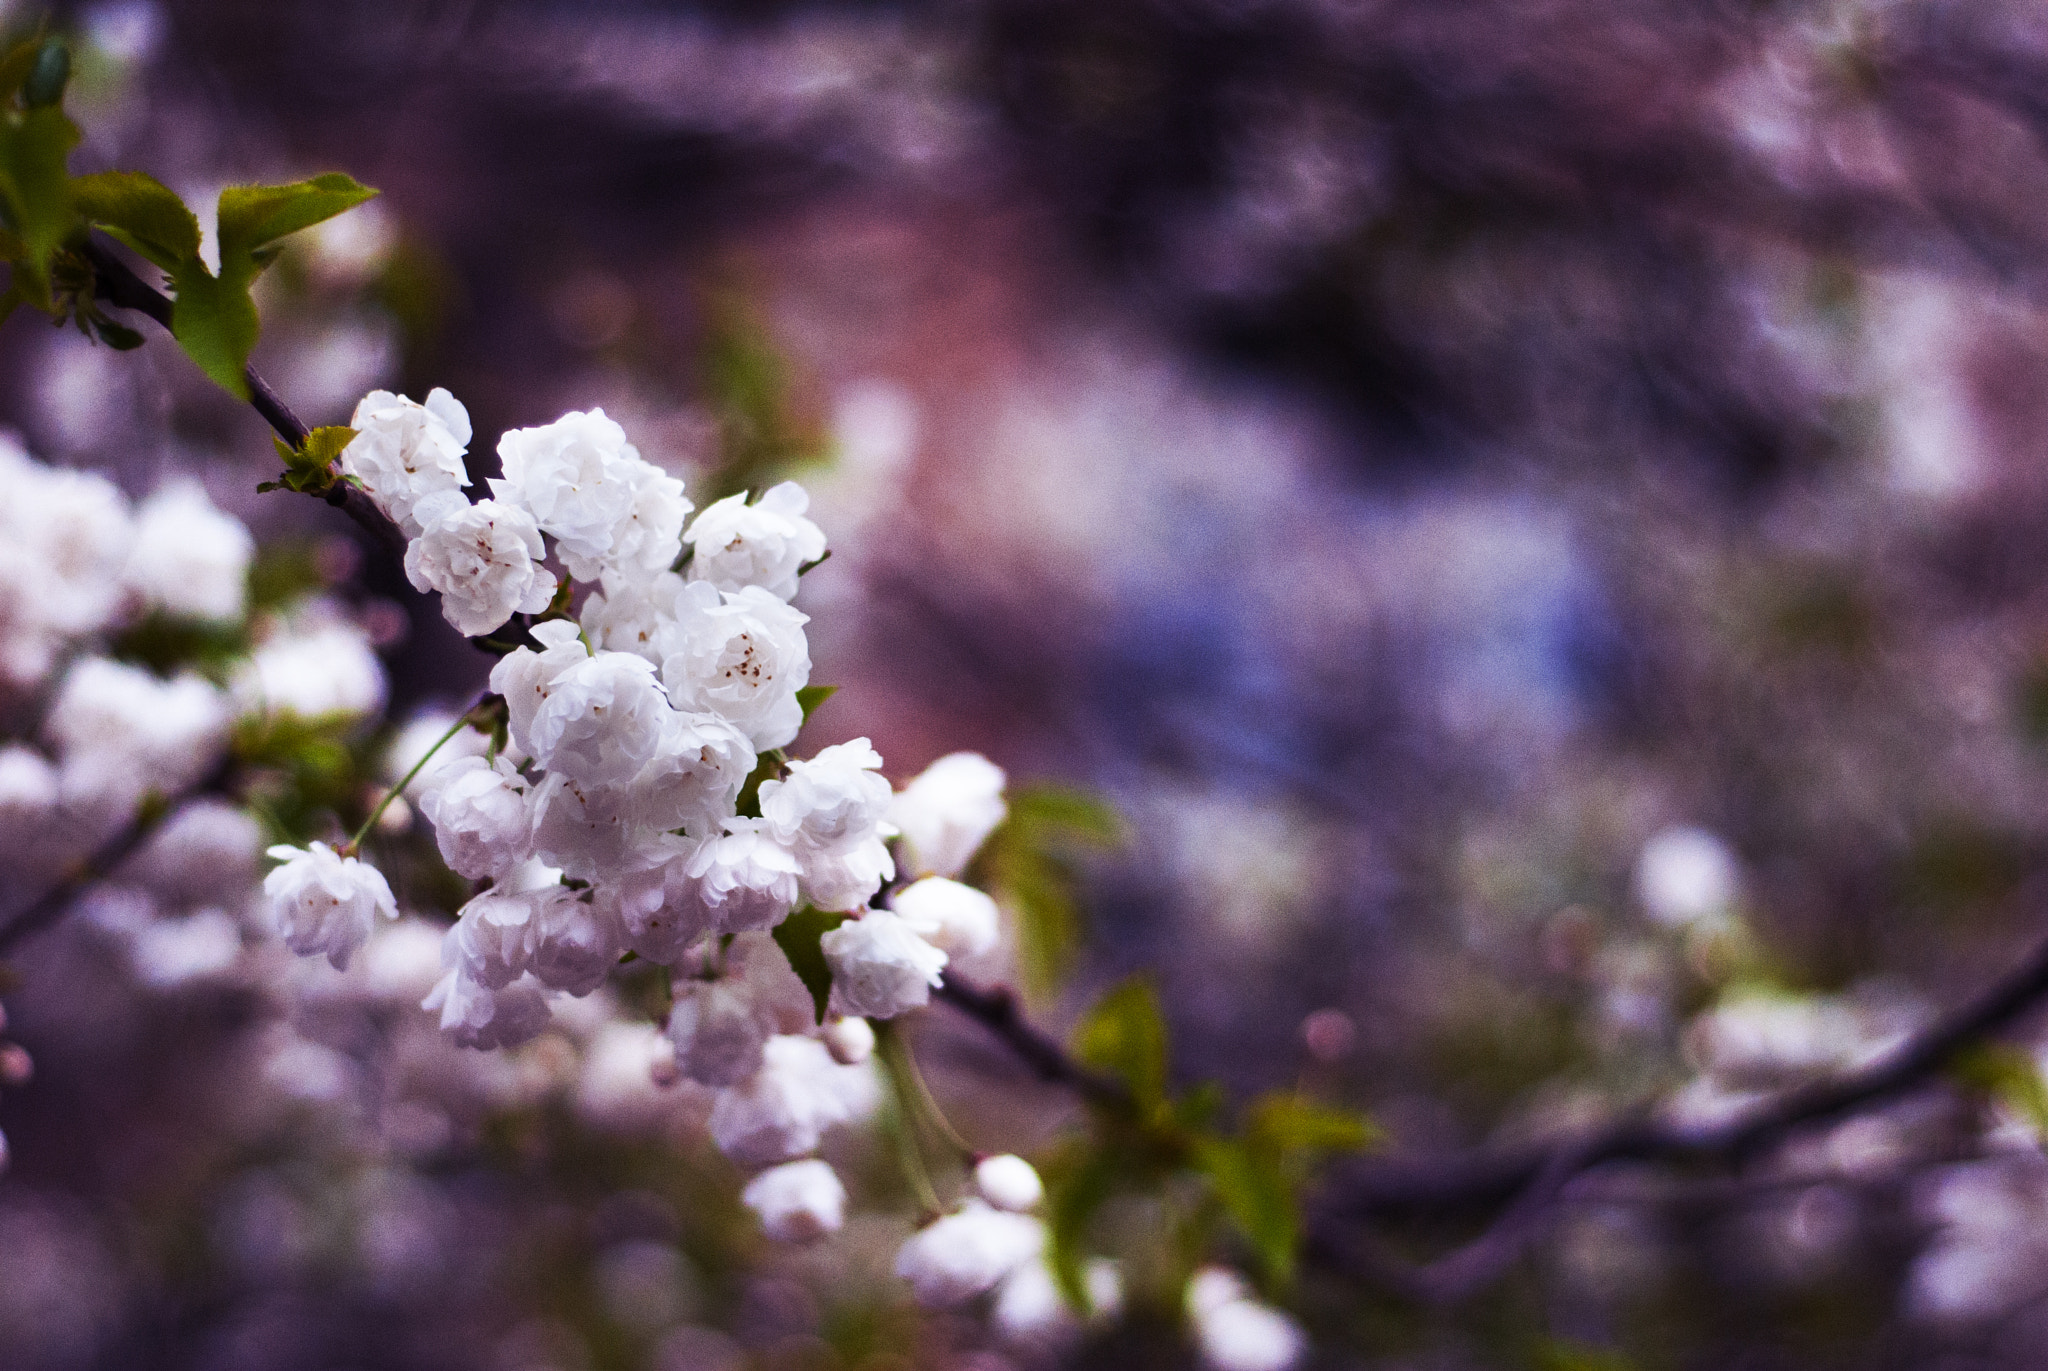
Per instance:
(996,1010)
(119,286)
(51,905)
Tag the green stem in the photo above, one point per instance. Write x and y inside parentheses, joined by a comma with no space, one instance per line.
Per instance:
(926,1105)
(393,793)
(902,1127)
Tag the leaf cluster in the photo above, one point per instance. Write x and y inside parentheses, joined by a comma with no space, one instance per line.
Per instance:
(46,214)
(1248,1174)
(1030,865)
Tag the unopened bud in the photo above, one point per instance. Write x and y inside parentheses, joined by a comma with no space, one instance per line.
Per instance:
(397,816)
(1328,1034)
(663,1070)
(1009,1182)
(16,1066)
(850,1041)
(48,77)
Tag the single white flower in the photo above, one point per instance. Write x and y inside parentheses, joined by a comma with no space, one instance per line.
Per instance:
(634,614)
(718,1031)
(649,539)
(318,664)
(206,848)
(797,1201)
(188,557)
(741,656)
(1009,1182)
(745,877)
(480,816)
(483,560)
(525,677)
(405,451)
(323,903)
(603,719)
(845,878)
(587,831)
(955,918)
(1030,1309)
(1685,875)
(953,1259)
(836,799)
(948,812)
(695,776)
(736,544)
(880,968)
(579,478)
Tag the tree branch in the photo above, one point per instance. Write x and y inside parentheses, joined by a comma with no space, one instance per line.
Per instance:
(51,905)
(119,286)
(996,1010)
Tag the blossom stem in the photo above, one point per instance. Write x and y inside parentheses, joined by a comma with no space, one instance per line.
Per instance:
(902,1120)
(903,1067)
(393,793)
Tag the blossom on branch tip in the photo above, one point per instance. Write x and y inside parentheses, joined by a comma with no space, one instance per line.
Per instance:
(479,811)
(405,451)
(1009,1182)
(483,560)
(948,812)
(323,903)
(797,1201)
(880,967)
(784,1110)
(735,544)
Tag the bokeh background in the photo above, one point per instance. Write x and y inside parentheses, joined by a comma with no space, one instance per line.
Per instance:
(1534,513)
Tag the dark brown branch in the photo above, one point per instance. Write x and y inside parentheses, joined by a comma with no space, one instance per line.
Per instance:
(116,284)
(51,905)
(996,1010)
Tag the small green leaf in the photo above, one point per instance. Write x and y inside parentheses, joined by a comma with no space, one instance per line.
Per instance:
(798,937)
(35,148)
(1258,1194)
(253,217)
(1285,1122)
(810,697)
(215,322)
(1125,1036)
(324,444)
(142,212)
(2009,1075)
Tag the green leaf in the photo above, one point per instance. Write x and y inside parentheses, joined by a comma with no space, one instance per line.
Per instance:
(1125,1036)
(1077,1185)
(324,444)
(810,697)
(1284,1122)
(16,65)
(35,148)
(798,937)
(140,211)
(1258,1194)
(117,336)
(214,320)
(253,217)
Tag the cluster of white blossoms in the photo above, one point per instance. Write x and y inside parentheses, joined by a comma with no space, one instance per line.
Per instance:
(619,817)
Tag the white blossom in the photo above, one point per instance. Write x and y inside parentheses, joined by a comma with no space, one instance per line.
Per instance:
(784,1110)
(745,878)
(955,918)
(477,1016)
(634,614)
(405,451)
(64,537)
(585,830)
(480,817)
(829,809)
(736,544)
(741,656)
(1237,1332)
(324,903)
(1686,874)
(483,560)
(28,799)
(948,811)
(797,1201)
(168,953)
(188,557)
(1009,1182)
(603,719)
(122,731)
(955,1258)
(880,968)
(206,847)
(525,677)
(717,1030)
(695,776)
(578,477)
(1030,1309)
(649,539)
(316,665)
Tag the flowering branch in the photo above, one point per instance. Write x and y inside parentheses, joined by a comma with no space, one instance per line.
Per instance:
(996,1010)
(1531,1179)
(119,286)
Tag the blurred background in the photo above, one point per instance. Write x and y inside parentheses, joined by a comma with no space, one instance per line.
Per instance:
(1532,512)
